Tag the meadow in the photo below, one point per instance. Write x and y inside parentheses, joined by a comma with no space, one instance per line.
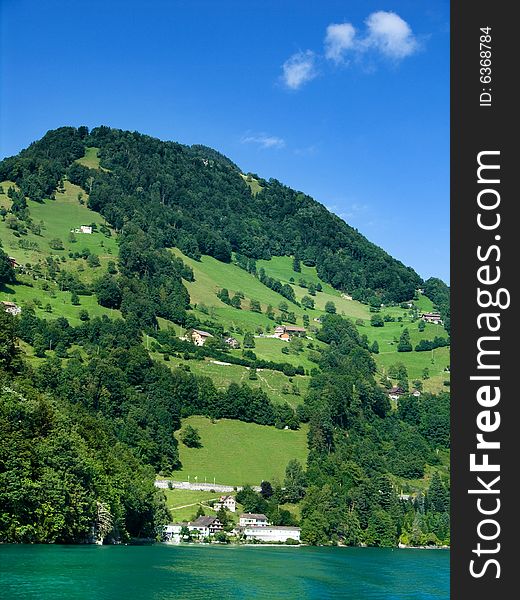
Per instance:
(238,453)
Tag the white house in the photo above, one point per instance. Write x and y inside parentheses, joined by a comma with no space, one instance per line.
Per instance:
(228,502)
(172,532)
(271,533)
(258,520)
(82,229)
(11,308)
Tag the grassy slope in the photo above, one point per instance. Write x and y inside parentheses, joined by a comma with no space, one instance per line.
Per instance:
(58,217)
(254,184)
(211,275)
(436,361)
(236,453)
(184,505)
(272,382)
(280,267)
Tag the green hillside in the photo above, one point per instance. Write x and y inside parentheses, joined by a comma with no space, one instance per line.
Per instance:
(181,240)
(236,453)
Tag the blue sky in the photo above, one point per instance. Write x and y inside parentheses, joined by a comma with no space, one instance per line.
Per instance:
(347,101)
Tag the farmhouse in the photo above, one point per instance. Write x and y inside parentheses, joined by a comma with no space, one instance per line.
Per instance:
(271,533)
(228,502)
(395,393)
(431,318)
(257,520)
(205,526)
(11,308)
(285,332)
(199,337)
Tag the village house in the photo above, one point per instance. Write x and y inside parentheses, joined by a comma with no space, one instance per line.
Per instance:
(271,533)
(257,520)
(395,393)
(199,337)
(432,318)
(228,502)
(285,332)
(205,526)
(11,308)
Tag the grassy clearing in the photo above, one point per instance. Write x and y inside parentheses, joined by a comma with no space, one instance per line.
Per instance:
(254,184)
(271,349)
(91,159)
(237,453)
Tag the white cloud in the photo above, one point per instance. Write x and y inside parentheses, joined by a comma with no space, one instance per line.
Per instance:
(386,35)
(339,38)
(299,69)
(264,141)
(390,35)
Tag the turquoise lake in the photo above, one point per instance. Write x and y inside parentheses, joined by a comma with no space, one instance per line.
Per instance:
(162,572)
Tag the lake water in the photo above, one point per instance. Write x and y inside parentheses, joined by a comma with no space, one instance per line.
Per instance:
(162,572)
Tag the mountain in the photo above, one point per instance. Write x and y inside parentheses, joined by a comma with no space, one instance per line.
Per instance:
(116,247)
(196,199)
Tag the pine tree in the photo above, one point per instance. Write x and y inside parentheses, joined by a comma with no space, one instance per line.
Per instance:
(404,342)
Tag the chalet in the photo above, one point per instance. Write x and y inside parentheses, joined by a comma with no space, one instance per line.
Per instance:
(11,308)
(271,533)
(257,520)
(199,337)
(205,526)
(432,318)
(13,262)
(285,332)
(395,393)
(232,342)
(227,502)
